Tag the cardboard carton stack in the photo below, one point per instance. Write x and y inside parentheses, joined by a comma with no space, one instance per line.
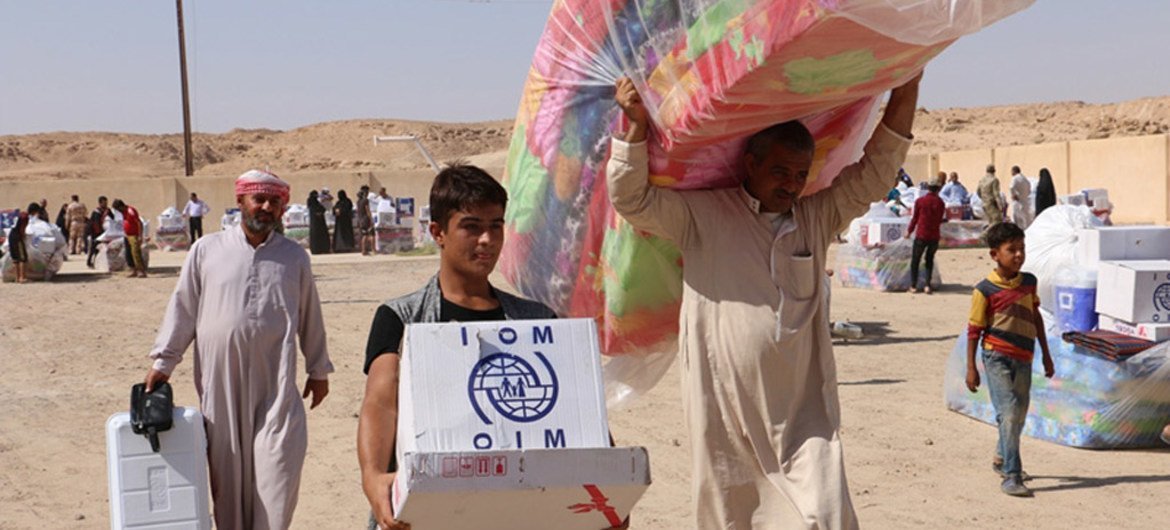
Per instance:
(1133,278)
(503,425)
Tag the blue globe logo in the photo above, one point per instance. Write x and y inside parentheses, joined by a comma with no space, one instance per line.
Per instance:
(513,387)
(1162,297)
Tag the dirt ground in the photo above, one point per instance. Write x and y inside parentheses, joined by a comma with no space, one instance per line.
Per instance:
(70,349)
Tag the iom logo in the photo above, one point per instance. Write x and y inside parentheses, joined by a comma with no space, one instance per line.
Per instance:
(1162,298)
(513,387)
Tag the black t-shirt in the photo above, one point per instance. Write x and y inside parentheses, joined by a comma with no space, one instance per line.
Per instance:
(387,330)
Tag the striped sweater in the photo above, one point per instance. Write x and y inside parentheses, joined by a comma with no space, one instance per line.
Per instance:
(1004,313)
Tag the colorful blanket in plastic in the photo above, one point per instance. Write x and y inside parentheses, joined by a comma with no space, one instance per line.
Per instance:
(884,268)
(712,72)
(962,234)
(1092,402)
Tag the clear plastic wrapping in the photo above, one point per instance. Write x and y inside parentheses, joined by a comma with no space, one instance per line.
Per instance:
(1092,402)
(45,246)
(882,268)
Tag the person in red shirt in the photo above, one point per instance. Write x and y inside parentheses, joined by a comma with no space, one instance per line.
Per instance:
(924,226)
(132,225)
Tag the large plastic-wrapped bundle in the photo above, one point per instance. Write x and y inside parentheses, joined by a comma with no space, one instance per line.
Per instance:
(882,268)
(230,219)
(391,239)
(45,246)
(1091,402)
(296,224)
(112,243)
(712,72)
(961,234)
(1052,241)
(171,233)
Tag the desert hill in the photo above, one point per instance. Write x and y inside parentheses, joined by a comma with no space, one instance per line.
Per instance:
(343,146)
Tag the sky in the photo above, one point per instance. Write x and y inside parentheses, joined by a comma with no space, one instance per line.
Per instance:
(112,65)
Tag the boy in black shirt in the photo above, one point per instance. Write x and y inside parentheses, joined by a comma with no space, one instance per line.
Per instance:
(467,208)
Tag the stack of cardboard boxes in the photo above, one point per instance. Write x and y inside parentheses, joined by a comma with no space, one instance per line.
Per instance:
(1133,278)
(503,425)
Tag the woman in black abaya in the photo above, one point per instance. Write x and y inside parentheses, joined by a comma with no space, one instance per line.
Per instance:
(318,231)
(343,223)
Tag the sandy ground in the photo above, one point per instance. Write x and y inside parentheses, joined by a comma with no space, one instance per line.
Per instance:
(69,351)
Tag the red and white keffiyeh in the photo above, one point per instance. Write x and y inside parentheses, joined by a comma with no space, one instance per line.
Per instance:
(257,181)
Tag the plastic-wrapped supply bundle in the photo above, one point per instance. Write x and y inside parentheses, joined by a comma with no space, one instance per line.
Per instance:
(1052,244)
(296,224)
(391,239)
(1092,402)
(230,219)
(712,72)
(961,234)
(113,243)
(8,219)
(45,246)
(171,233)
(881,268)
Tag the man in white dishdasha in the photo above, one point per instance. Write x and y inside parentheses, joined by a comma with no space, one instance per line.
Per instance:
(246,297)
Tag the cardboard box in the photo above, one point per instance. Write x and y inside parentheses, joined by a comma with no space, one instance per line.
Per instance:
(1111,243)
(1154,332)
(520,384)
(167,489)
(1134,291)
(1073,200)
(538,489)
(503,425)
(883,231)
(1096,197)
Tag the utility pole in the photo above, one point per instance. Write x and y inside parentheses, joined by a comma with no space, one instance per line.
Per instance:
(186,102)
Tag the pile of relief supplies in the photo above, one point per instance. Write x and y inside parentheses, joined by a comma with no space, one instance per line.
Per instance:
(877,254)
(171,233)
(1105,299)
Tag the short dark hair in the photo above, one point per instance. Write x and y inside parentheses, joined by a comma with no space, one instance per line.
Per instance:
(933,188)
(74,197)
(1001,233)
(461,186)
(790,134)
(118,204)
(102,198)
(34,208)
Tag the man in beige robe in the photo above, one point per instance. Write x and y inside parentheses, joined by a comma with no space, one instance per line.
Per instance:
(759,378)
(244,297)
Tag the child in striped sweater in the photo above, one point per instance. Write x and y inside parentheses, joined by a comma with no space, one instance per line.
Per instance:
(1005,313)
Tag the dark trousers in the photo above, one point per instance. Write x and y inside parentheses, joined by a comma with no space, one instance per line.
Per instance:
(196,224)
(920,246)
(92,249)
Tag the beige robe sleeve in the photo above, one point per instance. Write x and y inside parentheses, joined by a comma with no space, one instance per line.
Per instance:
(178,326)
(311,327)
(862,182)
(660,211)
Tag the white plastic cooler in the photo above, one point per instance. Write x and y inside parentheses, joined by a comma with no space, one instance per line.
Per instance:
(165,490)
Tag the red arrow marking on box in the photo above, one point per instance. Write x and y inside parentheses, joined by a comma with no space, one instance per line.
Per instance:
(599,503)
